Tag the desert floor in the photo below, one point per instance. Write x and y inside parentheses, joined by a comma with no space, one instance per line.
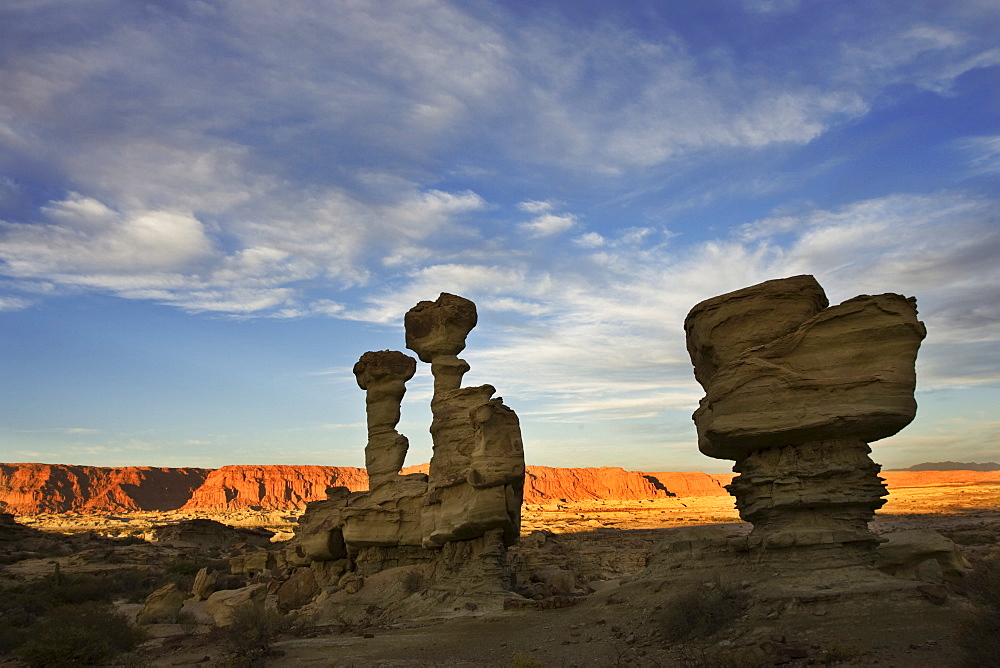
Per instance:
(854,620)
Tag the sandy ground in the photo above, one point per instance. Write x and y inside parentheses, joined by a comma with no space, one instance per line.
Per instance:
(881,622)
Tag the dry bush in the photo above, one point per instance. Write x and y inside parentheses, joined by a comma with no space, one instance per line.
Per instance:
(414,581)
(78,635)
(700,611)
(254,629)
(979,630)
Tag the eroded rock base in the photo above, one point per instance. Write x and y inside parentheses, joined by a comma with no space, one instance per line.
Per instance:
(810,503)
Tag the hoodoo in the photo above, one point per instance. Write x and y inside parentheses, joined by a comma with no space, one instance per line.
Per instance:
(453,523)
(795,390)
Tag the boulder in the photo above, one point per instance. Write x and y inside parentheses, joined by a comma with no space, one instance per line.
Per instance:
(162,606)
(297,590)
(205,582)
(222,604)
(909,554)
(795,390)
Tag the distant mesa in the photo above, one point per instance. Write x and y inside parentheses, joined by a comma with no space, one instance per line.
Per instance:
(953,466)
(32,489)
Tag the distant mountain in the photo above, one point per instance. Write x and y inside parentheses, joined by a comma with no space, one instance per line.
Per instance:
(953,466)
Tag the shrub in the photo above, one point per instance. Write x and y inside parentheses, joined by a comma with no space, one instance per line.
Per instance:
(254,629)
(979,630)
(414,581)
(78,635)
(701,611)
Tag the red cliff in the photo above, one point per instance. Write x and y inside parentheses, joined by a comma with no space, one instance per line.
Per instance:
(273,487)
(27,489)
(30,489)
(545,484)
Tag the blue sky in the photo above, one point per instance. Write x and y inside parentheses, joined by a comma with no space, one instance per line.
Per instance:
(210,209)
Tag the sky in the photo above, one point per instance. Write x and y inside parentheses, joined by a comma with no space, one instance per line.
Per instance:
(210,209)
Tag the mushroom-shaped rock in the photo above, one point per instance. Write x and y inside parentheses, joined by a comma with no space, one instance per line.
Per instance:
(439,327)
(794,392)
(384,366)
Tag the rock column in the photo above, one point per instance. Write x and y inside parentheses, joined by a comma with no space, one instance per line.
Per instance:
(457,509)
(383,376)
(795,392)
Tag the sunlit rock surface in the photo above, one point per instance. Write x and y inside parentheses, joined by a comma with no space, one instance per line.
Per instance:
(794,392)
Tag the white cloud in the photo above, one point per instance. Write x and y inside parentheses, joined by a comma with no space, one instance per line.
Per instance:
(983,153)
(9,303)
(548,225)
(590,240)
(536,206)
(85,235)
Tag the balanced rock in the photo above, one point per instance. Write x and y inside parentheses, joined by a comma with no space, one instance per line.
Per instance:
(383,376)
(794,392)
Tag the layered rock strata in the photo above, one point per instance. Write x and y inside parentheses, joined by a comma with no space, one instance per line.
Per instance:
(476,477)
(383,376)
(452,521)
(794,392)
(32,489)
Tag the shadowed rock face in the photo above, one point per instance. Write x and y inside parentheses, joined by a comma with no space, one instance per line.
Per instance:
(794,392)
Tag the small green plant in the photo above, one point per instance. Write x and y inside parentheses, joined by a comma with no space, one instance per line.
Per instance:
(78,635)
(701,611)
(979,629)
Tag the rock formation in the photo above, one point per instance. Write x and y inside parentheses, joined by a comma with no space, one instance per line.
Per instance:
(476,477)
(272,487)
(453,522)
(58,488)
(383,376)
(794,392)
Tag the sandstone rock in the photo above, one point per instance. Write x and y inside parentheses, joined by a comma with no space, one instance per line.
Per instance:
(297,590)
(721,328)
(30,489)
(204,584)
(439,328)
(162,606)
(904,554)
(794,392)
(556,580)
(544,484)
(846,373)
(320,529)
(383,376)
(222,604)
(275,487)
(388,515)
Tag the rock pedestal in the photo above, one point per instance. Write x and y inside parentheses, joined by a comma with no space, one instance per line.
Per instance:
(383,376)
(795,390)
(456,521)
(472,433)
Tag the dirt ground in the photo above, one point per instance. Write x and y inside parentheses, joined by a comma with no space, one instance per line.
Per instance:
(850,618)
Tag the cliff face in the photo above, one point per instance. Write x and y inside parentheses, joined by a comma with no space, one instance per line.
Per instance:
(56,488)
(29,489)
(272,487)
(545,484)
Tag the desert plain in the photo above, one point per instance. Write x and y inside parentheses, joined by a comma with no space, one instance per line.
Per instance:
(623,590)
